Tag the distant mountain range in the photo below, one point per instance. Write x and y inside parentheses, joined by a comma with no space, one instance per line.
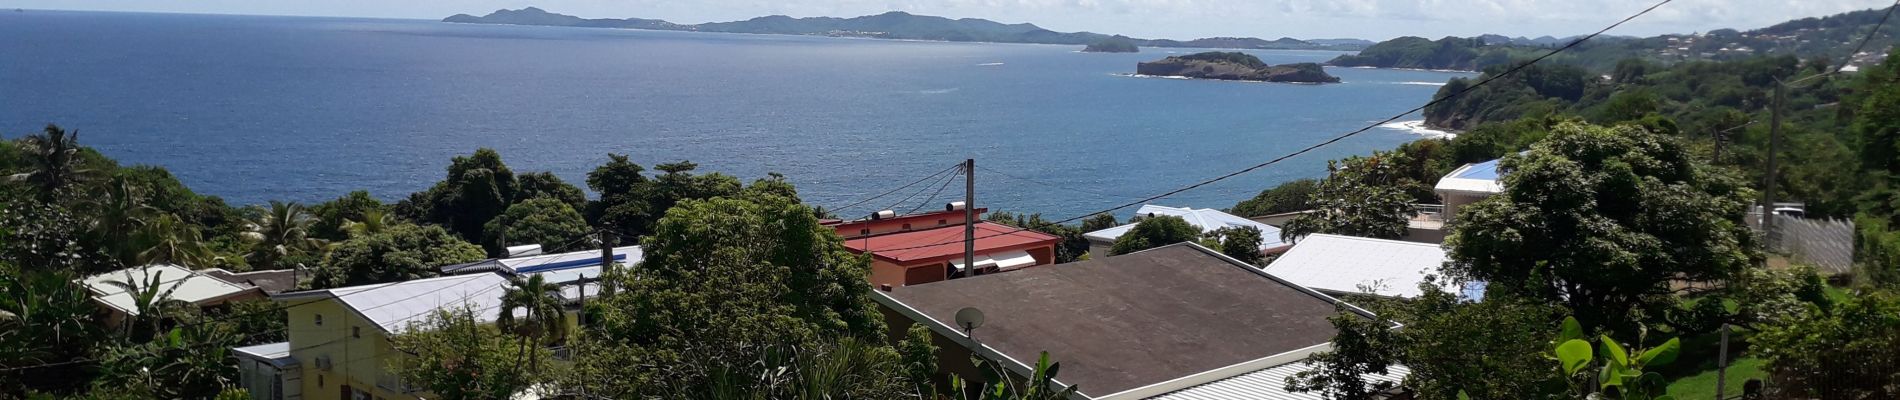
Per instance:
(898,25)
(1831,36)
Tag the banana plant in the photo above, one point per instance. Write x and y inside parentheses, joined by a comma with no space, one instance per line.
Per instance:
(1041,384)
(1618,375)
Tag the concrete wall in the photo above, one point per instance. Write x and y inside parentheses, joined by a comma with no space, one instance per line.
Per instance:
(357,361)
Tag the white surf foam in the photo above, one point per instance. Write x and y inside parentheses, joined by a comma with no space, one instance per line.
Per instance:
(1418,127)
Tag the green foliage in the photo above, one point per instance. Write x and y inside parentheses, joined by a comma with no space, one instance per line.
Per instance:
(53,162)
(1294,195)
(996,383)
(1098,222)
(728,282)
(1417,52)
(280,233)
(1846,352)
(544,322)
(1227,57)
(1493,349)
(1072,246)
(1154,232)
(404,252)
(1364,196)
(1602,220)
(1242,243)
(622,205)
(44,318)
(1112,44)
(1362,346)
(548,222)
(918,353)
(454,357)
(1618,374)
(192,361)
(536,185)
(332,218)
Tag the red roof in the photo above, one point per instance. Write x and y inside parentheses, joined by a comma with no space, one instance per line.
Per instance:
(948,241)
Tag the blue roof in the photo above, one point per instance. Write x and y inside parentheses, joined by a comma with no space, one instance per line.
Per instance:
(1487,170)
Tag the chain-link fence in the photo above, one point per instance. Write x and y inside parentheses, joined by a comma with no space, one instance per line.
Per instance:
(1826,244)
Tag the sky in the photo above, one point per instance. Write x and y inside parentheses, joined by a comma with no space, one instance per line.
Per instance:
(1173,19)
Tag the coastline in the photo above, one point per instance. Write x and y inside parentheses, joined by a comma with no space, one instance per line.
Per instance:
(1184,78)
(867,37)
(1413,69)
(1418,127)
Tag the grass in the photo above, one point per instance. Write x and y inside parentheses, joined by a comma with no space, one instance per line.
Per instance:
(1701,386)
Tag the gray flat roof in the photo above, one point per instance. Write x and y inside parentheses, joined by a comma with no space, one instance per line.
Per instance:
(1135,320)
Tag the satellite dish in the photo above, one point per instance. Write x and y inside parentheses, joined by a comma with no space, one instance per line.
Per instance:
(969,318)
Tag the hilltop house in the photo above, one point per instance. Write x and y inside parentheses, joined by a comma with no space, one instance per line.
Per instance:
(928,247)
(185,285)
(1174,322)
(1207,219)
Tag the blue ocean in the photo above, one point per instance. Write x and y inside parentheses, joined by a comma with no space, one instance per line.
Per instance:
(256,108)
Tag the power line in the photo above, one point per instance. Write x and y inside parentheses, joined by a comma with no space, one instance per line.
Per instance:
(1336,139)
(887,193)
(933,195)
(1063,187)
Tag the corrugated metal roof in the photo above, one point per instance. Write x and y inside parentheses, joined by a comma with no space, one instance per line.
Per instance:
(192,287)
(625,255)
(1476,178)
(278,354)
(1344,264)
(393,306)
(1268,384)
(947,241)
(1207,219)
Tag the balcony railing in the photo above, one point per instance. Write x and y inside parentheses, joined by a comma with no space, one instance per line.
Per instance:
(1430,212)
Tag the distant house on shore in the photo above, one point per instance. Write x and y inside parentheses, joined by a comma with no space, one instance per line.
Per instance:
(184,285)
(1207,219)
(1342,265)
(1174,322)
(929,247)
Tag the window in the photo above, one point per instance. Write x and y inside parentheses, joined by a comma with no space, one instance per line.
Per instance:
(319,319)
(356,332)
(943,222)
(865,231)
(319,380)
(907,227)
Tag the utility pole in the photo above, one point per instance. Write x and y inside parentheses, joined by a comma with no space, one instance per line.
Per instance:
(606,263)
(1768,184)
(1721,365)
(969,215)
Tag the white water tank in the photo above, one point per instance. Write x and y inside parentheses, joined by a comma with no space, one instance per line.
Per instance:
(953,206)
(886,214)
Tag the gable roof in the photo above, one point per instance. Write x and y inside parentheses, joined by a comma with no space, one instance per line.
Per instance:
(1174,315)
(1207,219)
(1482,178)
(1342,264)
(192,287)
(393,306)
(270,281)
(625,255)
(947,241)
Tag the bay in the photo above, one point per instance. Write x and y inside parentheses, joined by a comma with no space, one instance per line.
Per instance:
(258,108)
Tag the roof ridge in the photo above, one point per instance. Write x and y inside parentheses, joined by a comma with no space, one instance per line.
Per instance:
(1362,238)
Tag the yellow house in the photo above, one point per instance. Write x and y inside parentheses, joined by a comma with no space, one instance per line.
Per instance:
(340,339)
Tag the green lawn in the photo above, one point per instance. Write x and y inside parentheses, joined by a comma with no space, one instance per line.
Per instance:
(1701,386)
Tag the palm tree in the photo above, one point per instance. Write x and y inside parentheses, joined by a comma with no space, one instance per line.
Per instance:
(151,301)
(167,240)
(281,231)
(118,212)
(53,159)
(543,317)
(44,318)
(374,221)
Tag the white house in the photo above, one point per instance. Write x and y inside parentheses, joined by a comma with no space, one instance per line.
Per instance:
(1338,265)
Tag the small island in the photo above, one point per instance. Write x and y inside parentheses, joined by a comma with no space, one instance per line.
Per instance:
(1234,66)
(1115,44)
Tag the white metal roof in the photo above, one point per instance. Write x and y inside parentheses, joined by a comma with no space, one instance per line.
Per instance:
(278,354)
(192,287)
(1267,384)
(393,306)
(1481,178)
(625,255)
(1345,264)
(1207,219)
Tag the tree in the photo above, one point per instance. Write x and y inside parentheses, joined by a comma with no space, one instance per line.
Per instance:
(152,303)
(1072,246)
(918,353)
(1363,196)
(1098,222)
(404,252)
(372,222)
(167,240)
(726,282)
(997,385)
(1843,352)
(1241,243)
(281,231)
(332,218)
(44,319)
(456,358)
(53,161)
(1290,196)
(535,185)
(1619,372)
(622,203)
(1155,232)
(477,188)
(1602,220)
(118,214)
(544,221)
(1362,346)
(191,361)
(544,321)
